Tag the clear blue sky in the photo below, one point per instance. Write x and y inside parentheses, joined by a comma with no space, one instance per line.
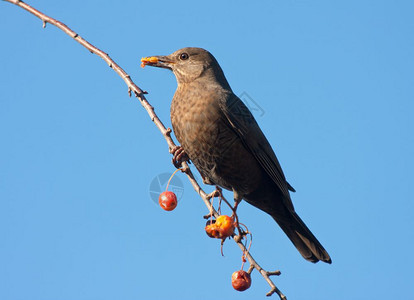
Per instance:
(77,156)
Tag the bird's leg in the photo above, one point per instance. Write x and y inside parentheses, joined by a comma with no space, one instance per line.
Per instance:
(237,199)
(179,156)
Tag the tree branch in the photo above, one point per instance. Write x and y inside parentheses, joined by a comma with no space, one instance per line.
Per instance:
(166,132)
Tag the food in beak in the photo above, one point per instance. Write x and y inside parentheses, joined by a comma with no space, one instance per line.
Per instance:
(148,61)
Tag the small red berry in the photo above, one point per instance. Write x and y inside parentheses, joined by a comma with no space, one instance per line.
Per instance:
(167,200)
(241,280)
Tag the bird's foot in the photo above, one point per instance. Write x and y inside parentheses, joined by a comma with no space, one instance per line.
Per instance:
(179,156)
(234,209)
(216,193)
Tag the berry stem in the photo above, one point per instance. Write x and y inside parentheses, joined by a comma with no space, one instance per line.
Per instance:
(169,180)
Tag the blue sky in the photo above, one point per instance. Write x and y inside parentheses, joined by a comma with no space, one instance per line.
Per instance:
(77,158)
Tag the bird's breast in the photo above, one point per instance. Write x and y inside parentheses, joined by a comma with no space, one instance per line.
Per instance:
(195,118)
(210,142)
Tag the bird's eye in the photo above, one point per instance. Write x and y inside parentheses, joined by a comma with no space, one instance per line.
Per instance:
(183,56)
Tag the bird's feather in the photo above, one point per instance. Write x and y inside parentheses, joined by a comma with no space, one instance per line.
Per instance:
(244,124)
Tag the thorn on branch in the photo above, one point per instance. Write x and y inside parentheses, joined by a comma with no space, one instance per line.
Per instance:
(44,24)
(274,273)
(140,95)
(208,216)
(275,290)
(272,291)
(251,268)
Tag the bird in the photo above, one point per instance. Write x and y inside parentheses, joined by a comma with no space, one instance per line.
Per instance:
(220,136)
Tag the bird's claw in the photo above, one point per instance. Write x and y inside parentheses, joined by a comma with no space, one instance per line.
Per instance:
(216,193)
(179,156)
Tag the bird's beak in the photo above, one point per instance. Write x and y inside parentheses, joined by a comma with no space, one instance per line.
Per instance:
(157,61)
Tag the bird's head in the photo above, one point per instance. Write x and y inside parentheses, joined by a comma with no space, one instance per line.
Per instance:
(189,64)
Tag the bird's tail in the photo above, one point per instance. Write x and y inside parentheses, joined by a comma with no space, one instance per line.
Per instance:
(303,238)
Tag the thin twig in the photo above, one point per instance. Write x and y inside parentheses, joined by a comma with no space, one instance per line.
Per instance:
(166,132)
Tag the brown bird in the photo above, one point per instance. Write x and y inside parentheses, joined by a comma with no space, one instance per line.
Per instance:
(219,134)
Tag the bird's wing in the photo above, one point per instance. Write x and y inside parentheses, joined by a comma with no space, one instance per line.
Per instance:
(243,123)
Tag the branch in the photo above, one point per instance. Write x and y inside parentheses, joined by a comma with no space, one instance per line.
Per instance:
(166,132)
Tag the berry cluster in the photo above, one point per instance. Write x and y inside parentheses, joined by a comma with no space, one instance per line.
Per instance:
(220,228)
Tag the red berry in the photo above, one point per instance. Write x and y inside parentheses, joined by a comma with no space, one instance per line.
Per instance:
(241,280)
(167,200)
